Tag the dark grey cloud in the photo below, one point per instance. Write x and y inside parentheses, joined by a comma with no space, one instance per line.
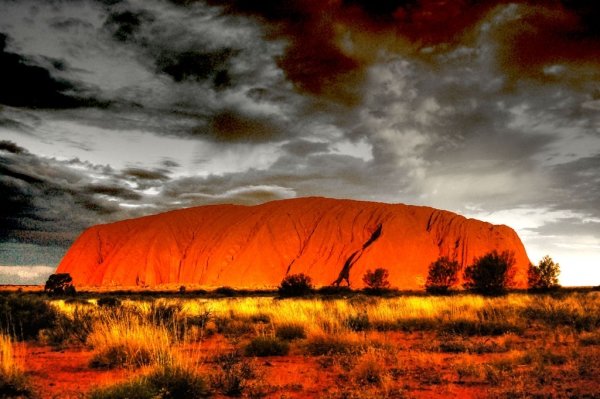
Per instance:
(112,191)
(577,186)
(25,83)
(303,148)
(70,24)
(143,174)
(198,65)
(570,226)
(37,193)
(7,145)
(125,24)
(221,109)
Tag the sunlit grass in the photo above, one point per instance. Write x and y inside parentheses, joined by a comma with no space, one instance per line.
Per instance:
(484,337)
(126,340)
(12,376)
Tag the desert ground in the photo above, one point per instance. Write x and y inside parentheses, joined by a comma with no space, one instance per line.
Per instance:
(347,344)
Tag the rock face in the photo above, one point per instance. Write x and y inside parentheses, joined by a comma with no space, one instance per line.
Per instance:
(331,240)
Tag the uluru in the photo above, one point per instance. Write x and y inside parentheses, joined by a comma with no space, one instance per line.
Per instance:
(334,241)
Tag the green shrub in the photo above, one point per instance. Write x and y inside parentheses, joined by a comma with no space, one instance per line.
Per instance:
(109,302)
(359,322)
(119,356)
(490,274)
(335,290)
(290,331)
(376,280)
(232,374)
(369,370)
(544,276)
(295,285)
(555,314)
(468,327)
(233,328)
(59,284)
(165,314)
(72,329)
(225,291)
(320,345)
(267,346)
(443,275)
(26,315)
(163,383)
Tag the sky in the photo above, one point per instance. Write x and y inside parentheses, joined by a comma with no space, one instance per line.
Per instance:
(116,109)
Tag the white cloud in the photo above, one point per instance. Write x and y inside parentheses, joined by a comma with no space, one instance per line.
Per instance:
(25,274)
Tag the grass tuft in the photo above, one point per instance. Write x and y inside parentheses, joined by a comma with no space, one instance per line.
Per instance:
(162,382)
(266,346)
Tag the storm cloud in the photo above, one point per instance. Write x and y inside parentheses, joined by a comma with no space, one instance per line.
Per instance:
(118,109)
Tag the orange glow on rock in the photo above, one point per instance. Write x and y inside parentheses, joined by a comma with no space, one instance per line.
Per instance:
(255,246)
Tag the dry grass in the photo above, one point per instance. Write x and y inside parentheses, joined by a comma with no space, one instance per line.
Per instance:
(13,382)
(128,340)
(381,347)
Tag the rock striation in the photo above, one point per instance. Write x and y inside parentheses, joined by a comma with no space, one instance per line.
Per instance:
(333,241)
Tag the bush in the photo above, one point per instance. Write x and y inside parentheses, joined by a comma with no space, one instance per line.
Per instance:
(490,274)
(26,315)
(295,285)
(443,274)
(359,322)
(74,328)
(376,279)
(109,302)
(290,331)
(544,276)
(370,370)
(335,290)
(59,284)
(164,383)
(320,345)
(165,314)
(267,346)
(13,381)
(225,291)
(232,374)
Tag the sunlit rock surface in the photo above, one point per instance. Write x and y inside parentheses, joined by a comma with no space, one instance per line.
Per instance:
(332,240)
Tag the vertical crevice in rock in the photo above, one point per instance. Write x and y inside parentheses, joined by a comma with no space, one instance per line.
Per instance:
(184,253)
(303,242)
(345,272)
(100,257)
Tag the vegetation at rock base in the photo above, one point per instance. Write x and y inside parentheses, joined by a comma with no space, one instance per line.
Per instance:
(544,276)
(60,283)
(295,285)
(377,279)
(162,382)
(522,344)
(490,274)
(442,276)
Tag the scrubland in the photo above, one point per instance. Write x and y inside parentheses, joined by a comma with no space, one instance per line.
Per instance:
(519,345)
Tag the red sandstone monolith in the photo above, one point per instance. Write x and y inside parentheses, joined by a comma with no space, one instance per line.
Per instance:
(331,240)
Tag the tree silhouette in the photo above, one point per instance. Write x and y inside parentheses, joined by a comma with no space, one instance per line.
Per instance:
(490,274)
(443,274)
(544,276)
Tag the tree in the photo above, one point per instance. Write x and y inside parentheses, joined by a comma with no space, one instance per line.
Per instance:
(377,279)
(443,274)
(295,285)
(490,274)
(544,276)
(60,283)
